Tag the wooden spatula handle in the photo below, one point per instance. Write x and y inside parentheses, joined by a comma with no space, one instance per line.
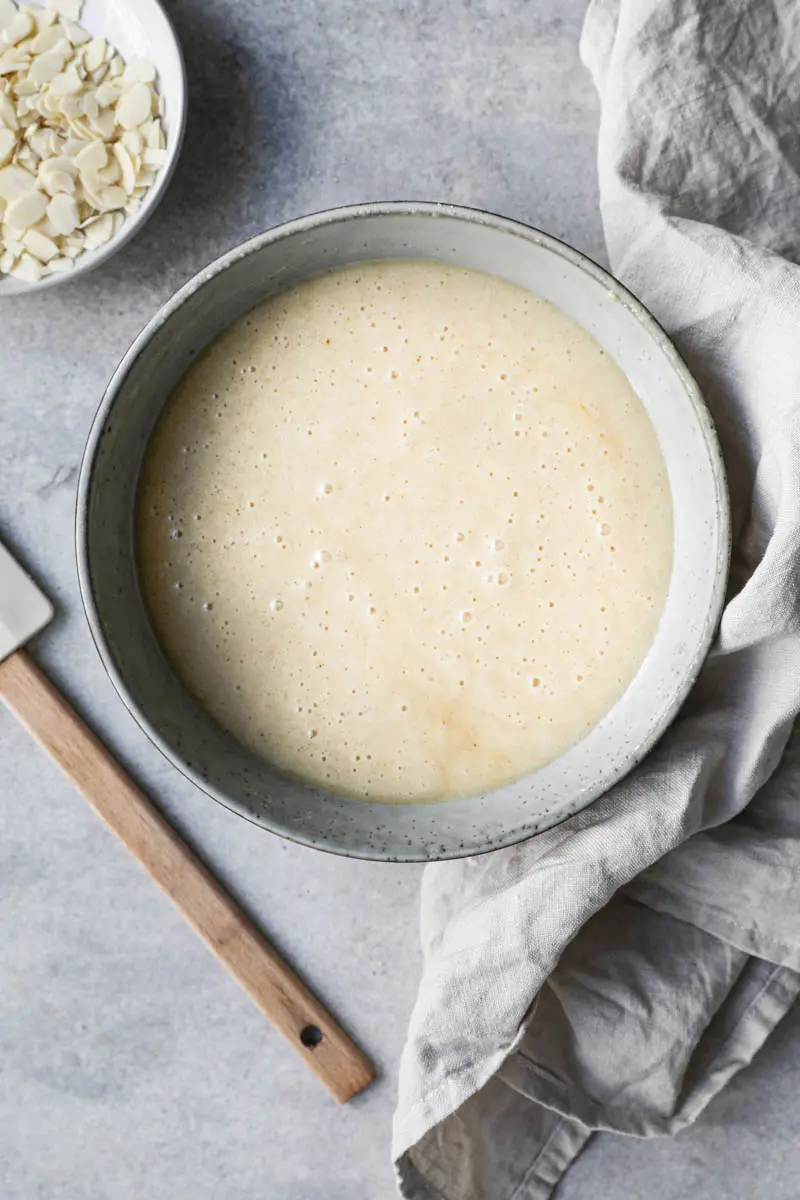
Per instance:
(194,891)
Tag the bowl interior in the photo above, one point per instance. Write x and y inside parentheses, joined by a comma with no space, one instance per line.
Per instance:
(177,723)
(138,29)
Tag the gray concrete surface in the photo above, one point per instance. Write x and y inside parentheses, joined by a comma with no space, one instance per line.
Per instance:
(130,1066)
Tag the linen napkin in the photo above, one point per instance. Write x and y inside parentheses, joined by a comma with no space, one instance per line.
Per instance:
(615,972)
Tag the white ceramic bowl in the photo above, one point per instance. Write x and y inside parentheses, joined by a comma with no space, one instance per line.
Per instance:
(176,722)
(137,29)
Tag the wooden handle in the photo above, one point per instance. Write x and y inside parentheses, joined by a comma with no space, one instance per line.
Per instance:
(194,891)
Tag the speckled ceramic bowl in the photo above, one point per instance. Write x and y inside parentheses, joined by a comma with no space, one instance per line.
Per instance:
(174,720)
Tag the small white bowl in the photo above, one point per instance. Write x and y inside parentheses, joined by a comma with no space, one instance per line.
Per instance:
(138,29)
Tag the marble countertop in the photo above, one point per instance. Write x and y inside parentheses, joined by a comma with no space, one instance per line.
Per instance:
(130,1065)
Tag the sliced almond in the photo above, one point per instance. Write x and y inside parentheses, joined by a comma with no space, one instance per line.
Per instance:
(133,141)
(27,269)
(26,210)
(90,190)
(93,157)
(55,182)
(7,13)
(40,141)
(66,83)
(72,146)
(89,104)
(28,158)
(59,266)
(21,26)
(40,246)
(134,106)
(107,94)
(11,240)
(62,213)
(138,71)
(126,167)
(15,182)
(95,54)
(75,32)
(48,39)
(103,124)
(153,134)
(154,158)
(71,105)
(8,113)
(44,17)
(46,227)
(110,174)
(47,66)
(99,231)
(113,197)
(80,128)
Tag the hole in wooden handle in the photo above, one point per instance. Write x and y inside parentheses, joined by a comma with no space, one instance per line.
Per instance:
(311,1036)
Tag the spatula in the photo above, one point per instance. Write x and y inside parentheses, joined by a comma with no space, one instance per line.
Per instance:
(194,891)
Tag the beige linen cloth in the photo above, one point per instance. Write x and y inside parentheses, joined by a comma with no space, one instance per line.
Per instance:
(615,972)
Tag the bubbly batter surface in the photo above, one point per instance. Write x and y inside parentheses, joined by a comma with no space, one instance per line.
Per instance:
(406,531)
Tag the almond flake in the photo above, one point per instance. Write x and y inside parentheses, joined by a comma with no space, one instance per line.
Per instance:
(134,106)
(154,158)
(26,210)
(58,266)
(15,182)
(113,197)
(48,39)
(40,246)
(126,167)
(67,83)
(17,29)
(76,34)
(27,269)
(8,113)
(7,13)
(99,231)
(46,67)
(138,71)
(92,158)
(95,54)
(108,93)
(62,212)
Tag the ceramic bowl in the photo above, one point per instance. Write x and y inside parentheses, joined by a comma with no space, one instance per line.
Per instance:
(138,29)
(174,720)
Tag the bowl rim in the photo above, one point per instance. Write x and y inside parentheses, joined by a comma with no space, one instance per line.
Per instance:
(302,224)
(86,263)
